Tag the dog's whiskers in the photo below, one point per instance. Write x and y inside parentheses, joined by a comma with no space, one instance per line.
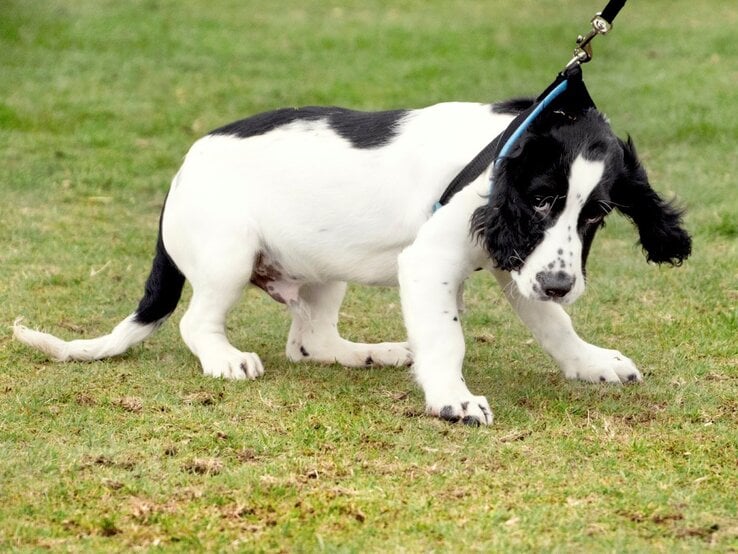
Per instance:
(608,206)
(512,293)
(611,204)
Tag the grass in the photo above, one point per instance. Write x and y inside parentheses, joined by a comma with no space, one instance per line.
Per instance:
(99,100)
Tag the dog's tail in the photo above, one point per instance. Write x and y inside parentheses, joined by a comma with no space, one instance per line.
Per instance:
(163,290)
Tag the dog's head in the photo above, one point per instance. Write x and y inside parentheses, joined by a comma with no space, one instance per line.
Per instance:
(552,194)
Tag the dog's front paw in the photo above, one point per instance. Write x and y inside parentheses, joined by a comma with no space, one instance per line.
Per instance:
(232,365)
(600,365)
(460,406)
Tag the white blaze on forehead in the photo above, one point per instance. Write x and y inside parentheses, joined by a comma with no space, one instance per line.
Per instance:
(583,178)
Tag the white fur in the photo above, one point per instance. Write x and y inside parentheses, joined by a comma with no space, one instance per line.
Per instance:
(120,339)
(322,212)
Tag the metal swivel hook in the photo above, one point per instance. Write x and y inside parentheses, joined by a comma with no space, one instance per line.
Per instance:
(583,50)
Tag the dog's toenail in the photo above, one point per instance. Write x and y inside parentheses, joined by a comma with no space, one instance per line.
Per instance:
(471,421)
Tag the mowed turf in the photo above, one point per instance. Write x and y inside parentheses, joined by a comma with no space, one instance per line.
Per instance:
(99,101)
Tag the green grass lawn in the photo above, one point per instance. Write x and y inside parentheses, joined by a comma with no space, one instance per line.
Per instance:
(99,101)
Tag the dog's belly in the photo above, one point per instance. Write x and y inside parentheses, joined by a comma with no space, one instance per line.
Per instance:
(325,244)
(282,283)
(367,268)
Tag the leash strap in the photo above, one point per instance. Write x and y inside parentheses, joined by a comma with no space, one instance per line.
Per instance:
(576,99)
(612,10)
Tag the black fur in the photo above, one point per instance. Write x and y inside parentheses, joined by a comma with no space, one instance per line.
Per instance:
(587,234)
(659,222)
(163,287)
(366,129)
(471,421)
(362,129)
(448,414)
(513,106)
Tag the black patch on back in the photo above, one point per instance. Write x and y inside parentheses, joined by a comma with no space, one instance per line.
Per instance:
(366,129)
(514,106)
(264,122)
(362,129)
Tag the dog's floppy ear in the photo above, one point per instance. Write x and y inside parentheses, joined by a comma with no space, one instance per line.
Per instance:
(659,222)
(504,224)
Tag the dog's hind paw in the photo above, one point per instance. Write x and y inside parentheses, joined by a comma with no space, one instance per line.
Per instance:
(233,365)
(353,354)
(465,408)
(386,353)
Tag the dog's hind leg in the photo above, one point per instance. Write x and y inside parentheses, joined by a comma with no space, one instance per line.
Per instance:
(216,286)
(314,332)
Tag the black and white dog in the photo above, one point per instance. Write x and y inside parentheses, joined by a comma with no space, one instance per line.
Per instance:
(301,201)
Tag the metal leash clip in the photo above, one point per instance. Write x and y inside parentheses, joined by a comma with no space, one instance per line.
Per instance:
(583,51)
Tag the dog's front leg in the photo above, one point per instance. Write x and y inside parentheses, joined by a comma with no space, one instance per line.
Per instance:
(553,329)
(431,272)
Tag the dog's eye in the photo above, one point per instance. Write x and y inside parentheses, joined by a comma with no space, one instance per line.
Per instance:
(543,204)
(594,220)
(595,213)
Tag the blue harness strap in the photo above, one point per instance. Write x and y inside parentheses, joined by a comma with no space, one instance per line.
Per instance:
(539,107)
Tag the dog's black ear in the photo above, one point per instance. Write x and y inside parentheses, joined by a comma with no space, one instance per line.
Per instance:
(659,222)
(504,224)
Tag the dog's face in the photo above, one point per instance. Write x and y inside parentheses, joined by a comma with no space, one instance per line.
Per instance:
(552,194)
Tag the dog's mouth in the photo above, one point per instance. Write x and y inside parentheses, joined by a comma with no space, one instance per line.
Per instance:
(564,300)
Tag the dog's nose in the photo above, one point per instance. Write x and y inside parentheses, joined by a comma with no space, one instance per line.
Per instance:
(555,284)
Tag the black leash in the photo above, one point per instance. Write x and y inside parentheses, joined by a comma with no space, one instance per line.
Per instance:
(567,93)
